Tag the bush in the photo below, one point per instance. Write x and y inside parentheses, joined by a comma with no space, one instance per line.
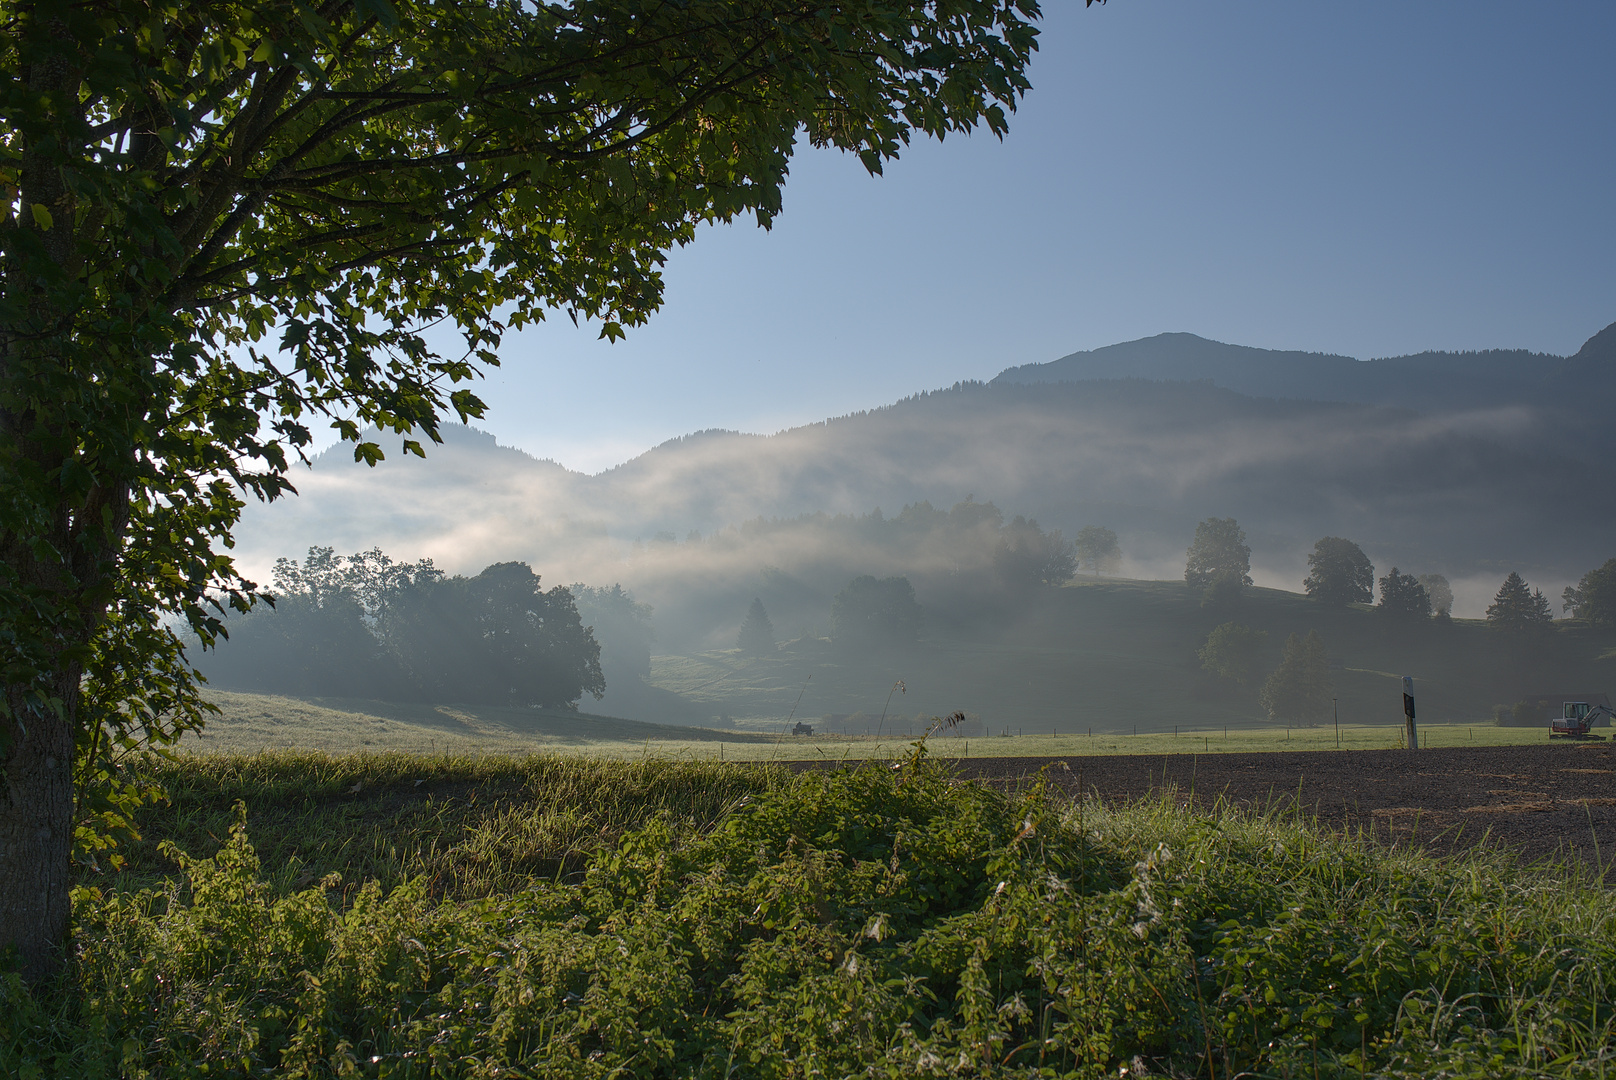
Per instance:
(879,921)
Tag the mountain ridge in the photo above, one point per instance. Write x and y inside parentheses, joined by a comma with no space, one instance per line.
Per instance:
(1427,381)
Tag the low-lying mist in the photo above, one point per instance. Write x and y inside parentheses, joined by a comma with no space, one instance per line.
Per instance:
(1470,495)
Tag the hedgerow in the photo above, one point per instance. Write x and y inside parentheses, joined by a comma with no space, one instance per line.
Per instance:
(881,921)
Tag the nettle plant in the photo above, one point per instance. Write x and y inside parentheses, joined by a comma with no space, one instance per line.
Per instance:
(880,921)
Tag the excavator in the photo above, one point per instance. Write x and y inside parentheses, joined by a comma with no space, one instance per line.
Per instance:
(1577,720)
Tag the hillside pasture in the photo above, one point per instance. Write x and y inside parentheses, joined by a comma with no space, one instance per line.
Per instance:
(250,723)
(1116,655)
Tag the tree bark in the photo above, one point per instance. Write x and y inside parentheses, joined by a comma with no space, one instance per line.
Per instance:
(36,838)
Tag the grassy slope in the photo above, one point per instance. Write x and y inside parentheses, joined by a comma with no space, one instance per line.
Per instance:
(1112,654)
(252,722)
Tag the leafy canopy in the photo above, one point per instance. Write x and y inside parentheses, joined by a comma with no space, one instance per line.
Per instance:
(1594,597)
(1097,549)
(1339,573)
(1232,652)
(225,223)
(1026,557)
(1219,550)
(363,626)
(873,612)
(1440,590)
(1299,691)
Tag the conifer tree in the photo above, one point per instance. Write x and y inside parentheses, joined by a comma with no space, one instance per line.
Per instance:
(1518,608)
(1402,596)
(757,633)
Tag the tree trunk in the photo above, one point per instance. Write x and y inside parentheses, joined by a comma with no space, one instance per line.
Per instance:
(36,838)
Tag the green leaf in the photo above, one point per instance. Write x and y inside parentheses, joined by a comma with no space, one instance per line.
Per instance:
(42,217)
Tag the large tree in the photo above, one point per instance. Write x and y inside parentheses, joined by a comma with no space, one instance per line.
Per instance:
(1231,652)
(1593,599)
(494,639)
(1026,557)
(1218,552)
(1299,691)
(756,636)
(1098,550)
(871,613)
(1403,597)
(1440,590)
(226,222)
(1339,573)
(1518,608)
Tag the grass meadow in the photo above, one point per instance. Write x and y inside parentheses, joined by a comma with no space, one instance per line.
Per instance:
(387,914)
(249,723)
(1108,655)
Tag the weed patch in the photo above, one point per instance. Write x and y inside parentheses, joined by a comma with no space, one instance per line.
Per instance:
(876,922)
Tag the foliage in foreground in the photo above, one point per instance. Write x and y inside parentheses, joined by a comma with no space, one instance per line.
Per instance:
(873,922)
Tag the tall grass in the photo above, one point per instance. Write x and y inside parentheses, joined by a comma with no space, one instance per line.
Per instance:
(692,920)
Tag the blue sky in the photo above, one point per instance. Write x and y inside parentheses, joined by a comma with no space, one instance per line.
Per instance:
(1370,179)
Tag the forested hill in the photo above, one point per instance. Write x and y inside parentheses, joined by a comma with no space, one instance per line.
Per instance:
(1427,382)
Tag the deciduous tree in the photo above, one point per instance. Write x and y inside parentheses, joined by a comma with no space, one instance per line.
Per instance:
(188,182)
(621,625)
(1097,549)
(1440,592)
(873,613)
(1027,557)
(1232,652)
(1298,692)
(1593,599)
(1339,573)
(495,639)
(1218,550)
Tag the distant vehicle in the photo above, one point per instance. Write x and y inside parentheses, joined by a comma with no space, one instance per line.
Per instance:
(803,729)
(1577,719)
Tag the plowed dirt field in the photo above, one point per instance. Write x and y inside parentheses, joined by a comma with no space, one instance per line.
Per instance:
(1547,802)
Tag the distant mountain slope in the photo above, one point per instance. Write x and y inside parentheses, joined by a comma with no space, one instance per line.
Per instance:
(1427,382)
(1462,493)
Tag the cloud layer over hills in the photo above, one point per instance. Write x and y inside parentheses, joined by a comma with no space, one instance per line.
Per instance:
(1464,464)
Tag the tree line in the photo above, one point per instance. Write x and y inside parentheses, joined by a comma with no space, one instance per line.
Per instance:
(365,626)
(1218,562)
(1300,690)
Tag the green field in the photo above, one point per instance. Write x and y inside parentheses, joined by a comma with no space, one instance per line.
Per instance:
(406,916)
(1109,655)
(251,722)
(1094,667)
